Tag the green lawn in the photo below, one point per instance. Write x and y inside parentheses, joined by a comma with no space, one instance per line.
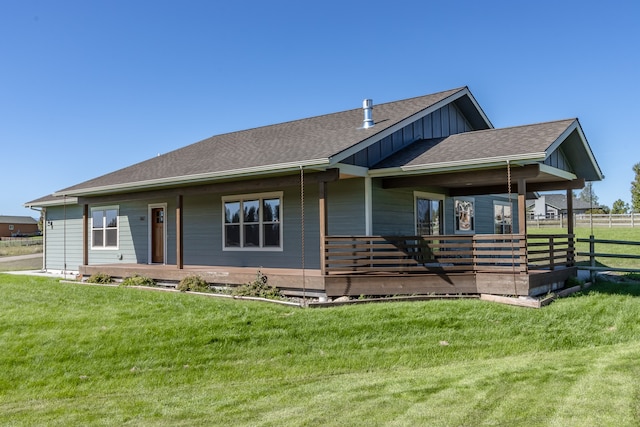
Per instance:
(76,354)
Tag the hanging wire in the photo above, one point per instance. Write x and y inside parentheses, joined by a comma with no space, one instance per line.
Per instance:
(64,236)
(304,281)
(513,261)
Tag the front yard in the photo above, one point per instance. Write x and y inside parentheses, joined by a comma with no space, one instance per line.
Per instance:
(90,355)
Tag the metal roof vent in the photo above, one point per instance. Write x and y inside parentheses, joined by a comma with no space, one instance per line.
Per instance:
(367,106)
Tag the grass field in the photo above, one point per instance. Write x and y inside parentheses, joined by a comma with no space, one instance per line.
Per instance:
(76,354)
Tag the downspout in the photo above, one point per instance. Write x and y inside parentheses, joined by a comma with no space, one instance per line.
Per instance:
(302,249)
(64,237)
(43,215)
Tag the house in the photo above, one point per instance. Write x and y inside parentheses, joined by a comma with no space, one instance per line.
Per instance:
(421,195)
(17,226)
(553,206)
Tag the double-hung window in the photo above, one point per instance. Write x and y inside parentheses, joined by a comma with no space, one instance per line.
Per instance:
(104,228)
(252,221)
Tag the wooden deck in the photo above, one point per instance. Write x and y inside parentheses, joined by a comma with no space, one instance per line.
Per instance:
(289,280)
(375,265)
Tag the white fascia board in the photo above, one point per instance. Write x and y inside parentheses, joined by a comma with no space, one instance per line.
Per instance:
(388,131)
(480,110)
(587,149)
(60,202)
(352,170)
(550,170)
(563,136)
(199,178)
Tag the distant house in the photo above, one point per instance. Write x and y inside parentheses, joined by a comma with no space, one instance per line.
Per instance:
(551,206)
(421,195)
(12,226)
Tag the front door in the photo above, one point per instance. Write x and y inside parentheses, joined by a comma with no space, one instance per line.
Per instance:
(157,235)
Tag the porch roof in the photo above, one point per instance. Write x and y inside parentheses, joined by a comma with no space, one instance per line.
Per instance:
(521,145)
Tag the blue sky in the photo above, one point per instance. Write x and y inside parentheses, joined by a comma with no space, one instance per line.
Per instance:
(88,87)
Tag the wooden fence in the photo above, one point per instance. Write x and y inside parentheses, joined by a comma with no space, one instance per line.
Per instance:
(593,255)
(20,241)
(588,220)
(550,251)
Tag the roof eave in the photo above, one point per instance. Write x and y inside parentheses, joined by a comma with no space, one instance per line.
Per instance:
(459,165)
(196,178)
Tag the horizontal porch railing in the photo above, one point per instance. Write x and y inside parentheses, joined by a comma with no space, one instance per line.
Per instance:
(550,251)
(496,253)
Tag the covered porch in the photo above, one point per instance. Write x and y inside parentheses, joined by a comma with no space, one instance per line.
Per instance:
(498,264)
(396,265)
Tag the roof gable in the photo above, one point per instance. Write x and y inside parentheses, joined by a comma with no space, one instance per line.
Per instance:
(521,144)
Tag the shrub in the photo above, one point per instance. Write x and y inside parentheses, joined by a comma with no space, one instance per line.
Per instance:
(193,283)
(101,278)
(137,280)
(258,288)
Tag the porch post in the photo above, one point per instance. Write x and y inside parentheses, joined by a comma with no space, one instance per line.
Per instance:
(571,255)
(570,211)
(322,204)
(522,206)
(179,243)
(85,234)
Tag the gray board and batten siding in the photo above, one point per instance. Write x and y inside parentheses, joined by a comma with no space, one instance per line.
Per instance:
(443,122)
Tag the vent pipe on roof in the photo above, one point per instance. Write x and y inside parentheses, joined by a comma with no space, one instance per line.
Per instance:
(367,106)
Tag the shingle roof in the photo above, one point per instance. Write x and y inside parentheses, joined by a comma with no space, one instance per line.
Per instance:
(8,219)
(483,144)
(305,140)
(559,201)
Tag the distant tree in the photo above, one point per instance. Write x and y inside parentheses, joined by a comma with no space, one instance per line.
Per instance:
(588,195)
(41,221)
(635,189)
(600,210)
(620,207)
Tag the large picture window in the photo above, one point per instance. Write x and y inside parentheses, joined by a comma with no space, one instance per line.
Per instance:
(253,221)
(104,228)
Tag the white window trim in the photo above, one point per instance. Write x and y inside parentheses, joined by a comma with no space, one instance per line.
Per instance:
(106,248)
(502,203)
(260,196)
(431,196)
(164,230)
(473,229)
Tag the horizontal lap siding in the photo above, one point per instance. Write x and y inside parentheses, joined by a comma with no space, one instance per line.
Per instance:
(133,244)
(392,211)
(64,241)
(346,207)
(203,237)
(202,230)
